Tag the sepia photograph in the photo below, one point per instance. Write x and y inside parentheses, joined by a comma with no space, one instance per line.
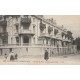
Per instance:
(40,39)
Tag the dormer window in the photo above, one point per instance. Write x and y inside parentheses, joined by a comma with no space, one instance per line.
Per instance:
(42,26)
(55,31)
(50,29)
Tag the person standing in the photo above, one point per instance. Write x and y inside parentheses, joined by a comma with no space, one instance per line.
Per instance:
(46,55)
(11,56)
(5,55)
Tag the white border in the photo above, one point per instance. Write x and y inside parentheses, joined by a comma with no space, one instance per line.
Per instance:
(39,72)
(44,7)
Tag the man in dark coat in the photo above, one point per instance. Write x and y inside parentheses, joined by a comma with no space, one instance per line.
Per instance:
(46,55)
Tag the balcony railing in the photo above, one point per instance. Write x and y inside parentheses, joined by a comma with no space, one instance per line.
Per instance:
(3,34)
(25,20)
(22,45)
(3,23)
(17,23)
(26,32)
(44,35)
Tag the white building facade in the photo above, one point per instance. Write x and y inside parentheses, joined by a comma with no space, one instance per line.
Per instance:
(32,34)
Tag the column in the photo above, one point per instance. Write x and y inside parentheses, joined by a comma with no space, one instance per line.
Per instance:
(21,40)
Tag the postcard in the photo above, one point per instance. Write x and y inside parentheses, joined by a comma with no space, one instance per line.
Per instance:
(40,39)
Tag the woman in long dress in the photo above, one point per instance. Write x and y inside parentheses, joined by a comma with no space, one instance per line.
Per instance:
(11,56)
(46,55)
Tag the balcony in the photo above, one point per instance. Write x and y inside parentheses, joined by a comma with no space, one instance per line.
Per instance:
(3,34)
(17,23)
(67,40)
(54,37)
(3,23)
(29,32)
(25,20)
(45,35)
(57,37)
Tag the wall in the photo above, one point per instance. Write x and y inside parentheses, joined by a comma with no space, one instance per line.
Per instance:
(39,51)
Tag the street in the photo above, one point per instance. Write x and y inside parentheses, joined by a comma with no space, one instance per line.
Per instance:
(71,59)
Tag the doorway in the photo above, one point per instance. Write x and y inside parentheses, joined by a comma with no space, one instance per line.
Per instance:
(25,39)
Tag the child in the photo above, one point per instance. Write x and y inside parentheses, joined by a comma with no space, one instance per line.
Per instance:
(5,55)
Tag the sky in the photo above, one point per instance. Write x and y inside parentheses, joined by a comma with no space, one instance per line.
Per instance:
(70,22)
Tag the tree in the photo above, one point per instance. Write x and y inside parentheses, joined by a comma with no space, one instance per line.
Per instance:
(69,34)
(77,42)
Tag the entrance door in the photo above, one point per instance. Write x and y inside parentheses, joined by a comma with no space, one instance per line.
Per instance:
(25,39)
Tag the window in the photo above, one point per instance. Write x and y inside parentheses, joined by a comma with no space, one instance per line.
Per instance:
(10,49)
(5,41)
(33,29)
(54,42)
(1,17)
(17,39)
(33,19)
(4,29)
(16,28)
(26,27)
(55,32)
(27,49)
(11,40)
(26,39)
(34,40)
(16,18)
(43,42)
(46,41)
(62,44)
(25,15)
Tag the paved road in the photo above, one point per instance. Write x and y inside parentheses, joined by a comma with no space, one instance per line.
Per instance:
(63,60)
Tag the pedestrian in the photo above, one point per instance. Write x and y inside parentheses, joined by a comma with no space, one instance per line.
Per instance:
(11,56)
(52,53)
(46,55)
(5,55)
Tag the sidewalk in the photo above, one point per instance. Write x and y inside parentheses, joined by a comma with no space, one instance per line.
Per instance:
(65,60)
